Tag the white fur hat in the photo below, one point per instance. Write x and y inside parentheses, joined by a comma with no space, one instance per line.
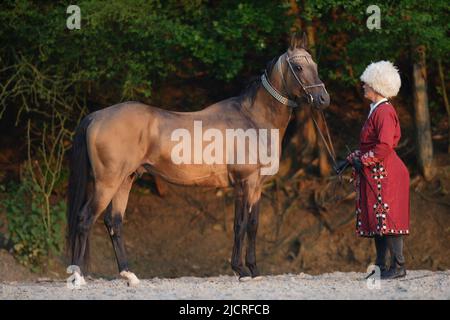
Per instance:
(383,77)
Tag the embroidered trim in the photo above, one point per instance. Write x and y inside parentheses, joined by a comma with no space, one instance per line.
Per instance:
(380,208)
(369,159)
(370,233)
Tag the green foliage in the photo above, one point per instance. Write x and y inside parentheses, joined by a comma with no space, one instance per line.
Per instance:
(128,46)
(404,25)
(33,237)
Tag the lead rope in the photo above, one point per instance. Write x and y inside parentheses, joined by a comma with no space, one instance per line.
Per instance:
(330,149)
(328,134)
(328,144)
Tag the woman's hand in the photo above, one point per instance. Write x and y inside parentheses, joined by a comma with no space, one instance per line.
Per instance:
(355,160)
(353,155)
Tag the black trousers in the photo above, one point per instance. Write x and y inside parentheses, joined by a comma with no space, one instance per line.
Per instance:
(393,244)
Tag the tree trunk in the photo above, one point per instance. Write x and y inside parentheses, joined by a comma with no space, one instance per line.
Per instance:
(294,11)
(324,161)
(306,142)
(311,35)
(422,115)
(302,143)
(444,95)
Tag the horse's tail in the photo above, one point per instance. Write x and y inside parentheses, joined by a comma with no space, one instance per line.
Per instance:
(77,190)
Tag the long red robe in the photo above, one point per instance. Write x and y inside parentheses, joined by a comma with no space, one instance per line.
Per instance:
(382,192)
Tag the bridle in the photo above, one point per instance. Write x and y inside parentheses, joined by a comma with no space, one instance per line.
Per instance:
(291,103)
(309,96)
(277,95)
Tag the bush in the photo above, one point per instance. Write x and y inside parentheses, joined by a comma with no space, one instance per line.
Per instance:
(35,235)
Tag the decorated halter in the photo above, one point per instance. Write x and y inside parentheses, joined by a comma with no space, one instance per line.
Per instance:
(278,96)
(274,93)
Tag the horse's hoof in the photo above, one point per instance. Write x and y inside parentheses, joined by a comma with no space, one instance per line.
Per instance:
(131,278)
(257,278)
(245,278)
(76,280)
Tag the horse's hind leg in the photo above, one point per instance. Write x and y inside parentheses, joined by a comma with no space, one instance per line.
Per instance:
(81,241)
(96,204)
(113,222)
(240,225)
(252,228)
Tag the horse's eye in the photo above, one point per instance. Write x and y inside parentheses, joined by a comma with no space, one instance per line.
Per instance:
(298,68)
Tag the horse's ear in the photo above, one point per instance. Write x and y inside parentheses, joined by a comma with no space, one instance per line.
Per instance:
(298,41)
(304,44)
(294,41)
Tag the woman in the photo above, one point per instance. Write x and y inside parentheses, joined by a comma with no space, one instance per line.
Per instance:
(381,178)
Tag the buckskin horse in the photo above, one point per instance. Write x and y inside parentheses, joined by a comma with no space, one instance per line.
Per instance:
(115,145)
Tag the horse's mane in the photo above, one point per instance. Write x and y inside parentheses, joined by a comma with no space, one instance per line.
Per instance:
(248,95)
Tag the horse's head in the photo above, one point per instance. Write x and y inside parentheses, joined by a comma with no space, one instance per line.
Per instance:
(301,76)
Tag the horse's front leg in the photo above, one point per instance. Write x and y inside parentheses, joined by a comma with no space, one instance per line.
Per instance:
(240,226)
(252,228)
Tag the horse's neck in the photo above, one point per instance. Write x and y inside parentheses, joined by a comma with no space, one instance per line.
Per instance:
(268,112)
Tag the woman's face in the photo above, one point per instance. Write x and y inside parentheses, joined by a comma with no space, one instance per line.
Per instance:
(370,94)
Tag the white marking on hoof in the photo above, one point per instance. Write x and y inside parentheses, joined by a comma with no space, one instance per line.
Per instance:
(76,280)
(257,278)
(132,280)
(245,279)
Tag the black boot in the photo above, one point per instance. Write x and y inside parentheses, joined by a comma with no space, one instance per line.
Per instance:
(381,249)
(396,272)
(397,268)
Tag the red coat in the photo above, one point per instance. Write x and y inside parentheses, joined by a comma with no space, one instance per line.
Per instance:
(382,192)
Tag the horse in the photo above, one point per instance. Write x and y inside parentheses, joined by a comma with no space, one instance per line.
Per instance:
(112,147)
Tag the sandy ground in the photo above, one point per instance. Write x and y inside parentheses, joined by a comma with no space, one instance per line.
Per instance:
(337,285)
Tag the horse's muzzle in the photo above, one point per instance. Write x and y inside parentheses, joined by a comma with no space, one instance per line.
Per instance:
(322,101)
